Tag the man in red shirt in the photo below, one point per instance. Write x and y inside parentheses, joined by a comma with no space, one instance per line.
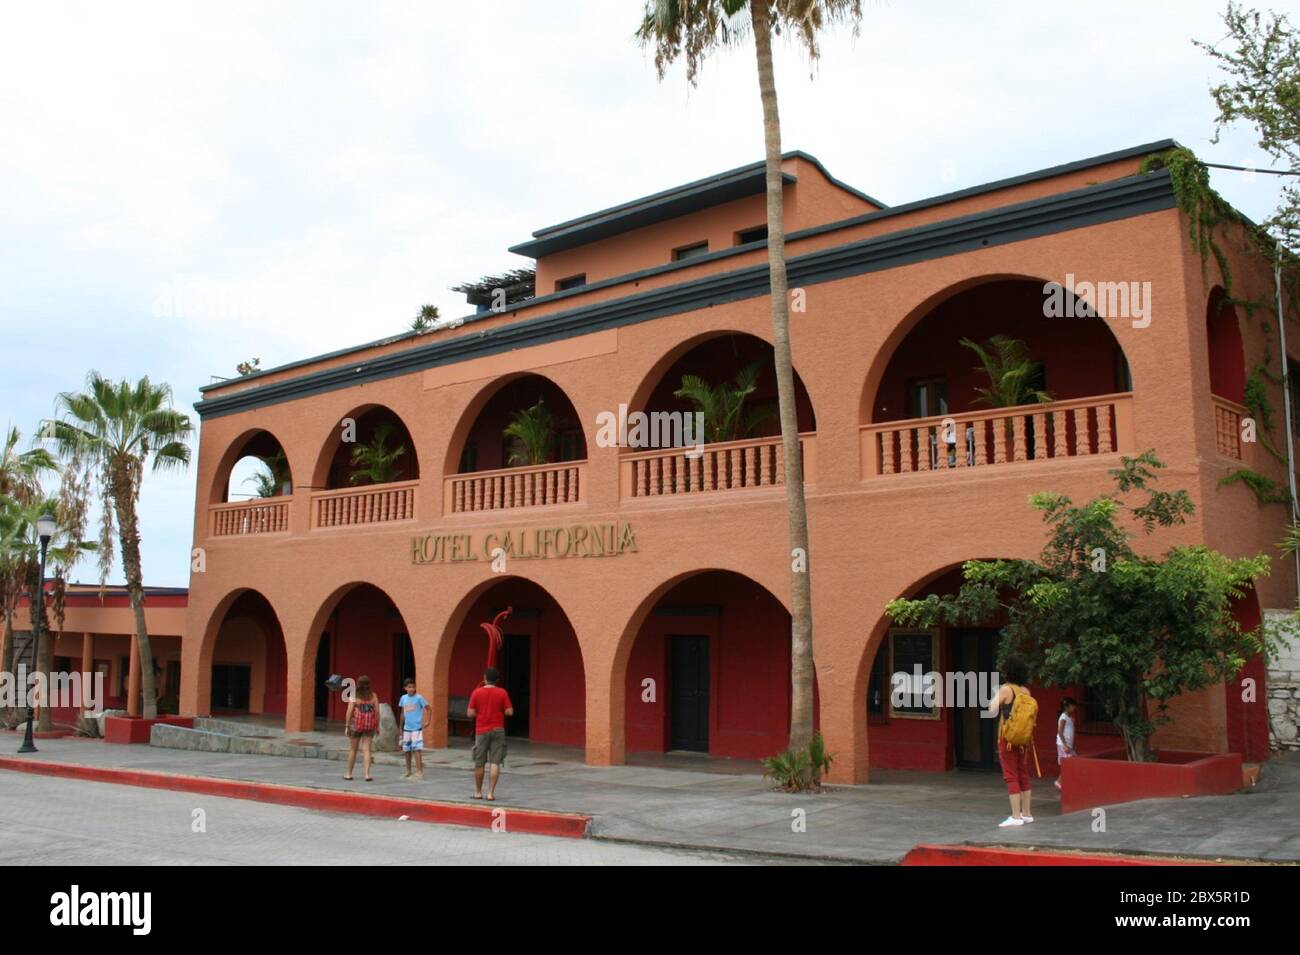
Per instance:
(489,706)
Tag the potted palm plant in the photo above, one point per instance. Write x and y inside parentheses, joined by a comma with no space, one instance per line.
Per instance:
(728,414)
(1015,378)
(531,433)
(374,462)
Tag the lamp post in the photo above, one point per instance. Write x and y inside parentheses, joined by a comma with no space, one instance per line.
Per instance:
(45,528)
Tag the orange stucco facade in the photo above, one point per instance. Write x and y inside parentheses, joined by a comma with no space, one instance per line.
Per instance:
(891,508)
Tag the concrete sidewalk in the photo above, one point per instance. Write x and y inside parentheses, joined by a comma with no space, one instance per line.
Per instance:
(878,823)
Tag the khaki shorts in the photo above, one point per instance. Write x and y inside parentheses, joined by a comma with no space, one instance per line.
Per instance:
(490,747)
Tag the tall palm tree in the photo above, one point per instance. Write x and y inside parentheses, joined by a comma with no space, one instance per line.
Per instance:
(532,433)
(118,429)
(20,483)
(727,417)
(693,29)
(373,462)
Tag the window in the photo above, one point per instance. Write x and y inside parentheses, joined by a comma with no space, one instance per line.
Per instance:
(910,652)
(756,234)
(1293,381)
(927,397)
(878,688)
(573,281)
(1095,710)
(690,251)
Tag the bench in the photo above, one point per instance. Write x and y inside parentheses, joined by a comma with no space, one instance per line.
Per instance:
(457,707)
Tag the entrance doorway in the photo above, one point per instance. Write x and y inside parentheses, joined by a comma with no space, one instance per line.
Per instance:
(230,683)
(974,736)
(690,693)
(516,679)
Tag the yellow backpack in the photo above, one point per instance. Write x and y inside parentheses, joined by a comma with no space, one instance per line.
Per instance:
(1018,728)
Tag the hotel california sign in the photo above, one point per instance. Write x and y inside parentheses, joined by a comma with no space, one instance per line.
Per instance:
(572,540)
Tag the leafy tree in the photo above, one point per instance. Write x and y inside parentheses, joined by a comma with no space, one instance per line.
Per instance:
(249,367)
(508,288)
(692,30)
(116,429)
(727,417)
(374,462)
(1261,56)
(532,435)
(1136,630)
(1013,375)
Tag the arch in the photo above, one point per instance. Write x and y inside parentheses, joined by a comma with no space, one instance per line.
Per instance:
(256,443)
(359,629)
(958,737)
(1225,351)
(243,659)
(924,345)
(478,442)
(542,666)
(733,624)
(717,356)
(333,467)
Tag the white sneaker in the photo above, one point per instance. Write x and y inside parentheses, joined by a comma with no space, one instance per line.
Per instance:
(1010,821)
(1026,818)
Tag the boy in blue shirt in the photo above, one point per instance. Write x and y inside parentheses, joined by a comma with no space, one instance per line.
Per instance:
(415,717)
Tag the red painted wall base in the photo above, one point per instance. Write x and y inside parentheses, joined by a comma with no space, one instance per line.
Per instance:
(129,729)
(1105,779)
(982,855)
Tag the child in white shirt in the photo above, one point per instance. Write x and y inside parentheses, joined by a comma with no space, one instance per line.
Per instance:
(1065,733)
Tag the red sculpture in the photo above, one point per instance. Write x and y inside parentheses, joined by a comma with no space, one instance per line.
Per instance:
(496,642)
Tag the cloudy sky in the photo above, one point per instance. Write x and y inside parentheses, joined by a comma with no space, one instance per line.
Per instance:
(186,185)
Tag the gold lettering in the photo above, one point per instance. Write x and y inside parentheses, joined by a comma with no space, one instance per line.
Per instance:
(580,537)
(627,541)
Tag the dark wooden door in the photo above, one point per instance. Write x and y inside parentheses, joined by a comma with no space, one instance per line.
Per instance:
(690,693)
(974,735)
(230,684)
(516,679)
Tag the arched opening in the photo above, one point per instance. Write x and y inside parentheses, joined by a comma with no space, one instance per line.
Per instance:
(370,446)
(249,665)
(363,634)
(717,391)
(540,664)
(1227,354)
(993,374)
(522,445)
(256,468)
(946,729)
(709,671)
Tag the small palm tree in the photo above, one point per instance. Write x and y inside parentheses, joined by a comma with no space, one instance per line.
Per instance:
(272,481)
(1013,375)
(373,462)
(20,484)
(21,471)
(532,434)
(727,415)
(116,429)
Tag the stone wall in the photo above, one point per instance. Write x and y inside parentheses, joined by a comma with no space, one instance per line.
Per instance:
(1284,686)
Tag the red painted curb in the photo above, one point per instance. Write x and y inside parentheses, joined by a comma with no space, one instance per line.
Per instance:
(984,855)
(535,821)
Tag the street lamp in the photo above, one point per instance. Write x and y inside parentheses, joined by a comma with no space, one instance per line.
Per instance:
(45,527)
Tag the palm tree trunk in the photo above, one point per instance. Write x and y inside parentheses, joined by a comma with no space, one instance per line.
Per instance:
(801,647)
(128,531)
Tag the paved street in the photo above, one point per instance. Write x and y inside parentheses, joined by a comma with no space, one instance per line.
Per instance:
(71,822)
(668,808)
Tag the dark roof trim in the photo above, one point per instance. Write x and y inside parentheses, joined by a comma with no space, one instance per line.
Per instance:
(1105,202)
(672,204)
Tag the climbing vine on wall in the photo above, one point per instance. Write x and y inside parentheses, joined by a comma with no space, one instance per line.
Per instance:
(1210,218)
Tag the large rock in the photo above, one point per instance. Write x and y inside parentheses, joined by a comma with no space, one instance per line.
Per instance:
(386,741)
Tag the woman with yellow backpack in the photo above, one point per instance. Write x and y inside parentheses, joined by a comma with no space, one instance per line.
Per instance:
(1017,713)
